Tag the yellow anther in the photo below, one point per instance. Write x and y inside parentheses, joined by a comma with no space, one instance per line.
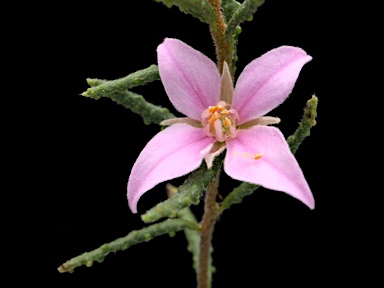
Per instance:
(224,111)
(257,156)
(227,122)
(225,128)
(212,109)
(217,115)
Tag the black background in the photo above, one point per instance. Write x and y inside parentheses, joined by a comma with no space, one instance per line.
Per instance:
(82,151)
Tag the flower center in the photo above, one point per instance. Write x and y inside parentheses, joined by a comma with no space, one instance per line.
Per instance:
(219,121)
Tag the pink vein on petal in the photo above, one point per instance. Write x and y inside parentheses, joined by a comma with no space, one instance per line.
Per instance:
(171,153)
(191,80)
(267,81)
(277,169)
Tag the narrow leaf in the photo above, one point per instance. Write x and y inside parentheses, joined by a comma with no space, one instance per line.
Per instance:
(135,237)
(307,122)
(229,7)
(244,12)
(201,9)
(137,104)
(189,193)
(192,236)
(105,88)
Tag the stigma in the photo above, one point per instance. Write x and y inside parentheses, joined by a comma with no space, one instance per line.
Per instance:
(220,121)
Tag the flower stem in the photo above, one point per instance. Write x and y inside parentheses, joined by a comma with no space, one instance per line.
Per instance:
(211,210)
(218,27)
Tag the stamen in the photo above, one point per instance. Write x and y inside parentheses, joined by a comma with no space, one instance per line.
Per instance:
(217,115)
(227,122)
(212,109)
(258,156)
(222,104)
(220,121)
(218,130)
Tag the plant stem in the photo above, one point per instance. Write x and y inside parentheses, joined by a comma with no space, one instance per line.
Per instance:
(211,210)
(218,28)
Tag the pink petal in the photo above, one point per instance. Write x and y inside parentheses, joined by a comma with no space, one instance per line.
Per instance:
(191,79)
(267,81)
(226,92)
(277,169)
(173,152)
(215,150)
(183,120)
(265,120)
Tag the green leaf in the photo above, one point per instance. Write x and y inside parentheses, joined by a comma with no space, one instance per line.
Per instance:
(243,13)
(137,104)
(192,236)
(117,91)
(235,42)
(306,123)
(229,7)
(193,239)
(189,193)
(102,88)
(237,195)
(167,227)
(201,9)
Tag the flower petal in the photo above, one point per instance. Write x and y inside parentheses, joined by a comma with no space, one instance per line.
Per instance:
(173,152)
(191,79)
(265,120)
(226,92)
(267,81)
(277,169)
(184,120)
(215,150)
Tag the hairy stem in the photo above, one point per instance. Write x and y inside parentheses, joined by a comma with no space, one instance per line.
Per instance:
(211,210)
(218,28)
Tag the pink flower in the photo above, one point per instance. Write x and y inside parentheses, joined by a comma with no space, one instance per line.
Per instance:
(220,117)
